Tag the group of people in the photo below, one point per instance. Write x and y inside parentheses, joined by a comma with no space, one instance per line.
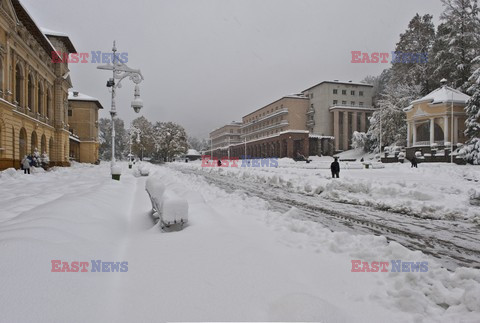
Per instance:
(34,160)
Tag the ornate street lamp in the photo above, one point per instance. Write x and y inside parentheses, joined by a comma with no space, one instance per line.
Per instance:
(120,71)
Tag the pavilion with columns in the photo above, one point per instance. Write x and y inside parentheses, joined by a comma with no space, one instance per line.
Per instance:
(435,120)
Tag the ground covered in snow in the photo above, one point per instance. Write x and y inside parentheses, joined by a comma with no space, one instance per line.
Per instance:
(237,260)
(435,190)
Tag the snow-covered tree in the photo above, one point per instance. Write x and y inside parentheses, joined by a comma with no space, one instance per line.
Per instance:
(146,144)
(379,83)
(460,40)
(170,140)
(360,140)
(416,40)
(391,115)
(472,131)
(197,144)
(105,138)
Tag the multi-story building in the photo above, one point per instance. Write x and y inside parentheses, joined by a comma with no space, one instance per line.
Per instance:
(33,89)
(83,127)
(226,135)
(275,130)
(337,109)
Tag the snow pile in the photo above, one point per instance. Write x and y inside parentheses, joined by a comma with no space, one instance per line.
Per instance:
(169,206)
(437,191)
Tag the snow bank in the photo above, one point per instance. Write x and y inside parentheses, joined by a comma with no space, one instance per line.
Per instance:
(436,191)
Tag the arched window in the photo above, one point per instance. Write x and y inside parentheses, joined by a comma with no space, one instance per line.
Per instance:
(43,145)
(22,142)
(19,85)
(33,143)
(40,99)
(49,104)
(50,148)
(1,74)
(31,93)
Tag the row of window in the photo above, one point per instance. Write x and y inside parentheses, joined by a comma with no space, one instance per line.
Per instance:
(261,115)
(265,134)
(263,124)
(344,92)
(352,103)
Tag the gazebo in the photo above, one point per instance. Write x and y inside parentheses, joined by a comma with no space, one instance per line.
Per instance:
(430,122)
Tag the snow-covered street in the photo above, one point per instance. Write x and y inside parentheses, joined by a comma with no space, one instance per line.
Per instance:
(241,258)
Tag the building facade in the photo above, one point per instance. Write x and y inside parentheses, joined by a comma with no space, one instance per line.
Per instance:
(337,109)
(226,135)
(437,119)
(275,130)
(83,126)
(33,89)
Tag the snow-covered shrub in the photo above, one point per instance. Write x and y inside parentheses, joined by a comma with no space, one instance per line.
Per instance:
(418,154)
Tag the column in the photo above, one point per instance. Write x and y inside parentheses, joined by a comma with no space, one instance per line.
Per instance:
(445,129)
(336,130)
(354,121)
(432,131)
(345,130)
(363,122)
(455,130)
(408,134)
(414,141)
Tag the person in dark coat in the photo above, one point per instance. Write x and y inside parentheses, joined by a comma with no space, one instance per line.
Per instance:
(335,168)
(414,162)
(219,163)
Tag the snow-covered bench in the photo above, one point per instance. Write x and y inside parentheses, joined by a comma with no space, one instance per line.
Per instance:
(171,209)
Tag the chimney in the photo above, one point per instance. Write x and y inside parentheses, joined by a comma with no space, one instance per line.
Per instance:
(75,93)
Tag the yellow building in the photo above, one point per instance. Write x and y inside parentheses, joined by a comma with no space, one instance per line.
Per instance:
(83,122)
(430,122)
(33,89)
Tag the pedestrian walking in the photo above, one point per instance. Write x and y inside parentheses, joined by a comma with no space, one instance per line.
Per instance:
(335,168)
(26,165)
(414,162)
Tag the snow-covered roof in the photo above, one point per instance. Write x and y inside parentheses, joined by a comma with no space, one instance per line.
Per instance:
(64,38)
(47,31)
(193,152)
(339,82)
(444,94)
(77,96)
(320,136)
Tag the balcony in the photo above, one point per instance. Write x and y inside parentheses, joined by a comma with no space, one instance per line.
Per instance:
(280,124)
(277,113)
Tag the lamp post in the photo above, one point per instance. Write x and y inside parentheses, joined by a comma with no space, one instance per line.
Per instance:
(120,71)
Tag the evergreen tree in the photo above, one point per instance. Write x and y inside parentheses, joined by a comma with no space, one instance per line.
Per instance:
(472,131)
(460,39)
(391,115)
(440,62)
(412,54)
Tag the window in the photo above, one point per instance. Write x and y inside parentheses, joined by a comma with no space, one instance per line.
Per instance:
(311,95)
(344,102)
(352,92)
(360,104)
(335,91)
(231,130)
(360,93)
(311,106)
(352,103)
(335,102)
(344,92)
(70,112)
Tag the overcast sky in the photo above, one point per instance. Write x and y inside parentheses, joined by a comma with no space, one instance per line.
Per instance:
(209,62)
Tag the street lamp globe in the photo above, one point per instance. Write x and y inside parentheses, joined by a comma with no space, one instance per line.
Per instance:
(137,103)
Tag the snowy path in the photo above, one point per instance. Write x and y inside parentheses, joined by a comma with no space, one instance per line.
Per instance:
(453,243)
(239,259)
